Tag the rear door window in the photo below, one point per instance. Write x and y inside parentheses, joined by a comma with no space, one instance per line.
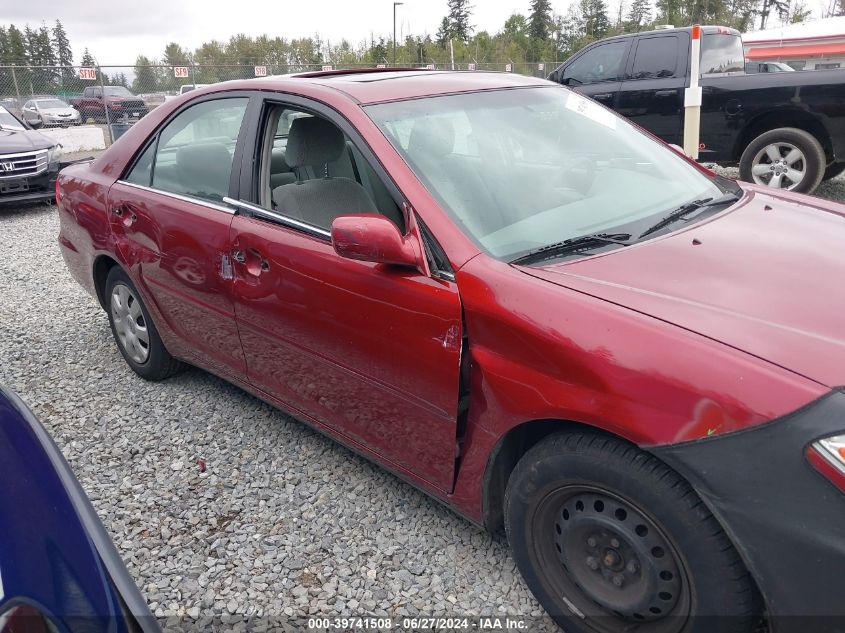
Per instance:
(195,151)
(655,57)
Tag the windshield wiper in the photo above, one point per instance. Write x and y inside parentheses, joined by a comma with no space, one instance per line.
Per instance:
(573,244)
(689,207)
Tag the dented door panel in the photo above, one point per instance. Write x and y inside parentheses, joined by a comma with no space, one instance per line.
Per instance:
(372,351)
(178,250)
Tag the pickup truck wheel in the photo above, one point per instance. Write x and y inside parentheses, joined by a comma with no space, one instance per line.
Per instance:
(833,170)
(133,330)
(785,158)
(610,539)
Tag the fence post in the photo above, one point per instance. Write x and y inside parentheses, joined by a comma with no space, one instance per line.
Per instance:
(105,105)
(193,76)
(15,81)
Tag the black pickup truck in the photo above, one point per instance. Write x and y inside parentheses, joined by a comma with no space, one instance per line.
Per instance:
(783,129)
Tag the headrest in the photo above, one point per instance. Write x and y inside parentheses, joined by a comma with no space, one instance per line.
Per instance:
(313,141)
(278,164)
(205,159)
(432,136)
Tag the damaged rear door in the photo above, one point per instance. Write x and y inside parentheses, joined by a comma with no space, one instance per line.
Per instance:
(172,229)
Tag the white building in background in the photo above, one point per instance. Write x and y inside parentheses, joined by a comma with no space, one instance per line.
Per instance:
(812,45)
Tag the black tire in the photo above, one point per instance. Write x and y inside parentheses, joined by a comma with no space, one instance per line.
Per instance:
(833,170)
(608,538)
(157,363)
(813,164)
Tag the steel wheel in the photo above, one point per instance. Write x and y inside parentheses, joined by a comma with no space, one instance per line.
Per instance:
(611,560)
(781,165)
(129,323)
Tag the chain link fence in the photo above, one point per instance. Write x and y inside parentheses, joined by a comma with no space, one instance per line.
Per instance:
(113,98)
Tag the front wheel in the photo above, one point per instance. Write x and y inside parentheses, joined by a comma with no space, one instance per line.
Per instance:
(785,158)
(134,331)
(610,539)
(833,170)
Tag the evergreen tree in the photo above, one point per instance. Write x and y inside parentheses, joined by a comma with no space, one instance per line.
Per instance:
(459,26)
(540,20)
(41,54)
(87,58)
(145,77)
(639,15)
(670,12)
(30,44)
(444,33)
(63,55)
(15,46)
(596,21)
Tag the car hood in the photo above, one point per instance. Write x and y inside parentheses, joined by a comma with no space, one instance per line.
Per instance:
(12,141)
(765,276)
(58,111)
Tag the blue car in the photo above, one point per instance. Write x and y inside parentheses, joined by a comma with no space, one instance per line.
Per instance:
(59,570)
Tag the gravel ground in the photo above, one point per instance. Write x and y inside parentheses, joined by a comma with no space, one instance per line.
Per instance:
(833,189)
(283,522)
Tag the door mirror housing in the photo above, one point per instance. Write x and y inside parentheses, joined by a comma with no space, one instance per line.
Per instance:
(370,237)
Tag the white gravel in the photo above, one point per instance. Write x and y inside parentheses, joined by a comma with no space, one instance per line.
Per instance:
(833,189)
(284,522)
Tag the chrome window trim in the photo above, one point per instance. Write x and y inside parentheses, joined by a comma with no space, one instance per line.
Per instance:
(183,198)
(281,219)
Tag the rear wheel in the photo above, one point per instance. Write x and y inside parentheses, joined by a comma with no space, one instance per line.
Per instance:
(610,539)
(785,158)
(133,330)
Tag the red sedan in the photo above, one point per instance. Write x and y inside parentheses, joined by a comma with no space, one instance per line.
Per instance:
(517,301)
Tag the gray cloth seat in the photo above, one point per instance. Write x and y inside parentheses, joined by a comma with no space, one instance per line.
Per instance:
(431,145)
(202,170)
(280,171)
(315,142)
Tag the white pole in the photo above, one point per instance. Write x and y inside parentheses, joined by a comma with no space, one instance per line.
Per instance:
(692,98)
(452,51)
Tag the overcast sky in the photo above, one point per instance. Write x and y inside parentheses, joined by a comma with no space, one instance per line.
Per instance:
(116,32)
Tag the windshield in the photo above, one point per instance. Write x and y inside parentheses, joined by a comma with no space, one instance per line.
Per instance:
(9,122)
(524,168)
(118,91)
(48,104)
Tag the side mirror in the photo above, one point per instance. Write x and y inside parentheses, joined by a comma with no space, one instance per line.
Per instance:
(370,237)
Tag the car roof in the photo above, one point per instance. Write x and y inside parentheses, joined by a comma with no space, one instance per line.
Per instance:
(371,85)
(706,30)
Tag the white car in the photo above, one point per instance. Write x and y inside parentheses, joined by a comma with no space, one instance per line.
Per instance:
(49,111)
(185,88)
